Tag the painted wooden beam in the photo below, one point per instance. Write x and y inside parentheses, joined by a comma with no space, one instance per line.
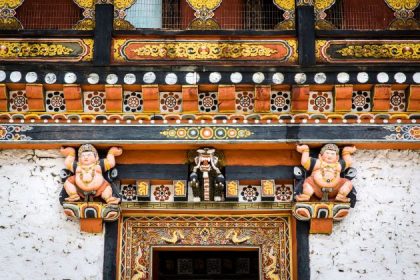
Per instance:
(208,134)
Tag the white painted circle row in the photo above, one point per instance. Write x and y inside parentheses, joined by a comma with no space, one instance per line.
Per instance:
(214,77)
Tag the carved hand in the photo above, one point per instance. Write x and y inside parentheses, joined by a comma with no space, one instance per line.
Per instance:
(302,148)
(68,151)
(116,151)
(349,149)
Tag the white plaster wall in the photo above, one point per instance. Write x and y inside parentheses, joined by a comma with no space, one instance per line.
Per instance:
(36,239)
(380,239)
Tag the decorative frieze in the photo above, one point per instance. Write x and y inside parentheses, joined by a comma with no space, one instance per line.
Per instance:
(373,51)
(46,50)
(130,50)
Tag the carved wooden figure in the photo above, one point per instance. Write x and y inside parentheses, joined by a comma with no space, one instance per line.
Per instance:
(206,179)
(325,181)
(88,180)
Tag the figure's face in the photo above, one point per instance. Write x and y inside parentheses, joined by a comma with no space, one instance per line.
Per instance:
(87,158)
(329,156)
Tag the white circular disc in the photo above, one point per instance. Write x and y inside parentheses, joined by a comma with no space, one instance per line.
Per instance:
(362,77)
(278,78)
(2,75)
(320,78)
(258,77)
(93,78)
(111,79)
(382,77)
(416,77)
(215,77)
(70,78)
(149,77)
(300,78)
(31,77)
(129,78)
(50,78)
(236,77)
(171,78)
(15,76)
(192,78)
(400,77)
(343,77)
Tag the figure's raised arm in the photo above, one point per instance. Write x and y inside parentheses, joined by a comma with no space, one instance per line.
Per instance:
(306,159)
(110,158)
(70,154)
(346,155)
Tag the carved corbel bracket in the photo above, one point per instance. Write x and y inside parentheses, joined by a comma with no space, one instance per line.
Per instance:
(321,215)
(91,214)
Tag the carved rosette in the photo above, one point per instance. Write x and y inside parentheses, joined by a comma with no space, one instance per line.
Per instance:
(88,21)
(289,14)
(320,7)
(8,21)
(120,7)
(404,15)
(204,13)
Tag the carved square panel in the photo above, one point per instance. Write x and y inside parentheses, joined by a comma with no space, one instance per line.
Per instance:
(133,102)
(94,101)
(250,193)
(361,101)
(207,102)
(320,102)
(244,102)
(129,192)
(214,266)
(283,193)
(243,265)
(55,101)
(280,101)
(162,193)
(185,266)
(398,101)
(170,102)
(18,101)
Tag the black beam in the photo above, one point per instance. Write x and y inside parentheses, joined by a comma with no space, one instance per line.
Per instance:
(305,22)
(155,134)
(302,238)
(104,17)
(153,171)
(258,172)
(110,251)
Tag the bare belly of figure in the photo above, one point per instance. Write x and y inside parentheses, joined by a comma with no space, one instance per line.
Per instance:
(326,179)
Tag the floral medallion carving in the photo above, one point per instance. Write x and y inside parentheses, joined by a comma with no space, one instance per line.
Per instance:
(361,101)
(55,101)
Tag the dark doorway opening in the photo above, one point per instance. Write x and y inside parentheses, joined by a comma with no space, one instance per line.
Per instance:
(206,264)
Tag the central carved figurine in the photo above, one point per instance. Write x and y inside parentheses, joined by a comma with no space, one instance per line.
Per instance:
(208,175)
(325,181)
(88,179)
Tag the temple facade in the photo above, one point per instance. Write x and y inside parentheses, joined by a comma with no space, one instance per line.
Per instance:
(188,139)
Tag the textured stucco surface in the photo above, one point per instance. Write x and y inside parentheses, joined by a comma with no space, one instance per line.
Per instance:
(36,239)
(380,239)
